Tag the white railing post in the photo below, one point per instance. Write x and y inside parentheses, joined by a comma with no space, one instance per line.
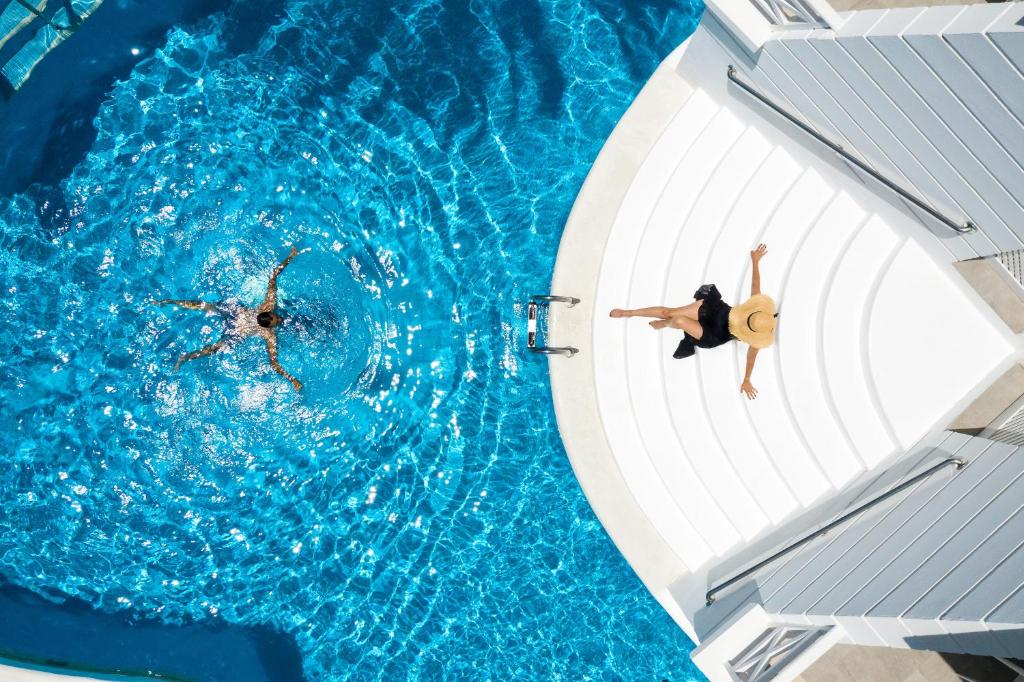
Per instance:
(828,17)
(753,22)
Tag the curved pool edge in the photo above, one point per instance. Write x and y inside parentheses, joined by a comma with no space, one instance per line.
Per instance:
(13,673)
(573,387)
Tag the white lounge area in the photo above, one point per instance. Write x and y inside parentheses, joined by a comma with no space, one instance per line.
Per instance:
(880,342)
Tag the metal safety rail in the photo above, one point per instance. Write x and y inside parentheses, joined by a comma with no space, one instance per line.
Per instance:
(531,331)
(961,228)
(959,463)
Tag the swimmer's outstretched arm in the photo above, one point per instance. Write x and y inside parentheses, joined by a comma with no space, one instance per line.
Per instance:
(272,352)
(207,350)
(270,300)
(191,305)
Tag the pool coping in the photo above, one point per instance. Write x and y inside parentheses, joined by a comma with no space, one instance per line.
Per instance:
(573,386)
(12,673)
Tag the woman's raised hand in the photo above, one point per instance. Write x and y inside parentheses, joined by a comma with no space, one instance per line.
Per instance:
(758,253)
(748,389)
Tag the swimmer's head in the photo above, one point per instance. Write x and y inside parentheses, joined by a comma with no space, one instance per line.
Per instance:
(268,320)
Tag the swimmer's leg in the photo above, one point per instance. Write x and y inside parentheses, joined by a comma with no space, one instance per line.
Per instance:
(207,350)
(191,305)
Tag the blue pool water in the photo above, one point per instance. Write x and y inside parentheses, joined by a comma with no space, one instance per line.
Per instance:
(411,513)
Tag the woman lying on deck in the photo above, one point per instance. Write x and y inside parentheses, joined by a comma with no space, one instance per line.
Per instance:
(710,322)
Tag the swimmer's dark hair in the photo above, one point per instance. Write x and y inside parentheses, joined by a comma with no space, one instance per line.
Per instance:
(265,320)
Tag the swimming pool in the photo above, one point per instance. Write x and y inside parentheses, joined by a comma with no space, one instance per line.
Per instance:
(410,513)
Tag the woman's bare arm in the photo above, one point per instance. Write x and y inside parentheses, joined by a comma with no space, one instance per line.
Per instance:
(746,387)
(755,278)
(270,300)
(272,352)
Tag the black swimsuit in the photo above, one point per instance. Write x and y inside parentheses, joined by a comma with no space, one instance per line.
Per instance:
(714,320)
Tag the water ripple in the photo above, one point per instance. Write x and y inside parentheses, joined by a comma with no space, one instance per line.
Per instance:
(410,514)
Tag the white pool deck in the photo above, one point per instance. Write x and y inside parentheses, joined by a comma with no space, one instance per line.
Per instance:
(880,342)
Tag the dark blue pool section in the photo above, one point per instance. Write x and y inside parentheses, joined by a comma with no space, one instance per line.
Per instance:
(48,126)
(72,636)
(411,514)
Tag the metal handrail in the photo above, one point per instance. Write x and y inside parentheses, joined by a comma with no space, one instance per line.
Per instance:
(964,228)
(531,333)
(571,300)
(710,596)
(555,350)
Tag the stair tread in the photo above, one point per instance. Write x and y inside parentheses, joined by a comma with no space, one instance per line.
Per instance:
(799,337)
(726,267)
(907,354)
(670,456)
(748,506)
(619,420)
(845,335)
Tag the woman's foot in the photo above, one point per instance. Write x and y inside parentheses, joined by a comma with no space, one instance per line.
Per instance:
(659,324)
(617,312)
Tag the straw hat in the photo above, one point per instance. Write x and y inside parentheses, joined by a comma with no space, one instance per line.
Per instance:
(753,321)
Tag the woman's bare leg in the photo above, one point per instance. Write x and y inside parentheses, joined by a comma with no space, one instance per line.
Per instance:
(659,311)
(689,311)
(688,325)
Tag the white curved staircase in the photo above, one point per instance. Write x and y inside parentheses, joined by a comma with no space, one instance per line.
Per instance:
(880,345)
(857,374)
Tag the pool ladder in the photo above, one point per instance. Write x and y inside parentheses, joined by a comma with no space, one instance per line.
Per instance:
(531,330)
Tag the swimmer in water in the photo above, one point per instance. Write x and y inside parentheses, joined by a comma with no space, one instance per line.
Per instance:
(243,322)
